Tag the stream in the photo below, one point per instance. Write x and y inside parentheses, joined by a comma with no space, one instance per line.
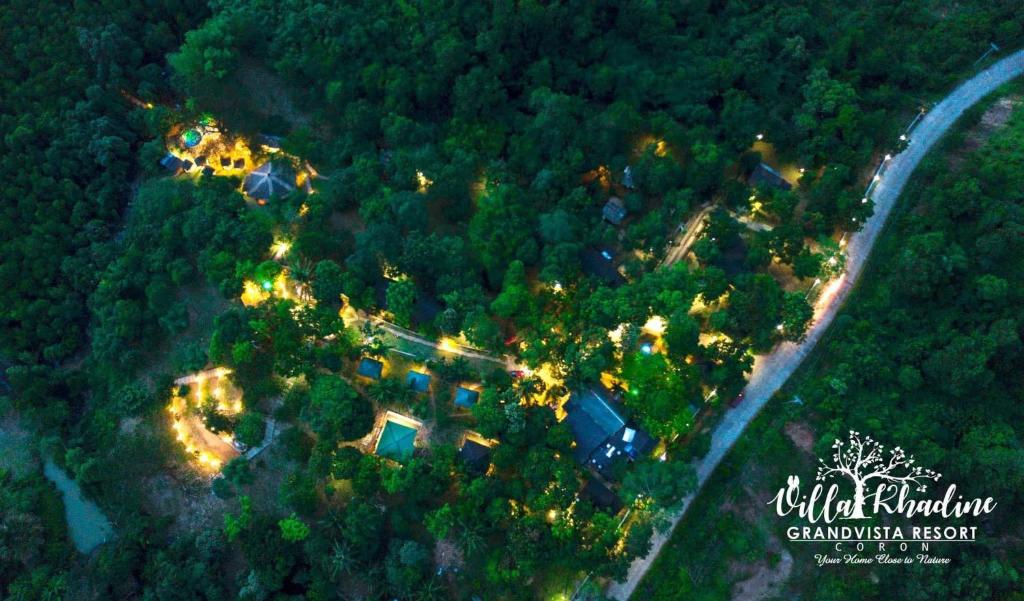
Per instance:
(87,525)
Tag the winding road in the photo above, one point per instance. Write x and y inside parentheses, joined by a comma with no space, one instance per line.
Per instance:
(771,371)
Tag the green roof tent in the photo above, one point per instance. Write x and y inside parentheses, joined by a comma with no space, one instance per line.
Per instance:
(396,441)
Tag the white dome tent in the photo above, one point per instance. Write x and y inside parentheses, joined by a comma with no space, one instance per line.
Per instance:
(269,180)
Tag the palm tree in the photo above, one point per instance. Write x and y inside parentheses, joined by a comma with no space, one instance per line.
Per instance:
(300,270)
(389,391)
(341,562)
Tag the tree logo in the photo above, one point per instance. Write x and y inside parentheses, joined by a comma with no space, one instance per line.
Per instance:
(884,481)
(866,460)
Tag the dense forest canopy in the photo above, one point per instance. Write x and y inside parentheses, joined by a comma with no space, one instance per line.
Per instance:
(455,165)
(926,354)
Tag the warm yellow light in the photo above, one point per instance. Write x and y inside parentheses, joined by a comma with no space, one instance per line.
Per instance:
(616,334)
(448,345)
(280,248)
(655,325)
(423,183)
(281,285)
(253,294)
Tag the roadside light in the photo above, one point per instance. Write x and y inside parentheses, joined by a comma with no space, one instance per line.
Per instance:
(646,348)
(760,137)
(267,285)
(903,137)
(864,200)
(888,157)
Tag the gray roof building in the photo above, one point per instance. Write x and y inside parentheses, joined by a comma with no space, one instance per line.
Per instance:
(476,456)
(614,211)
(602,263)
(627,177)
(602,435)
(764,175)
(271,179)
(171,163)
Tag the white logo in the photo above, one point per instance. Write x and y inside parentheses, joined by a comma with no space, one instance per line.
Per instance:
(864,460)
(883,481)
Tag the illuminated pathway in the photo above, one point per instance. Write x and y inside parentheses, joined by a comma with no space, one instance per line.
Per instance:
(771,371)
(685,239)
(449,347)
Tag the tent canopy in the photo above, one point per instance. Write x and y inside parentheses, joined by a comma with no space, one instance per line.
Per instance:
(396,441)
(271,179)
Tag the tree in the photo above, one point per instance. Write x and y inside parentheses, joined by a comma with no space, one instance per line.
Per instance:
(401,298)
(235,524)
(864,460)
(660,393)
(337,411)
(807,264)
(515,297)
(501,230)
(927,262)
(250,429)
(796,315)
(682,334)
(665,483)
(991,455)
(328,283)
(362,528)
(293,529)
